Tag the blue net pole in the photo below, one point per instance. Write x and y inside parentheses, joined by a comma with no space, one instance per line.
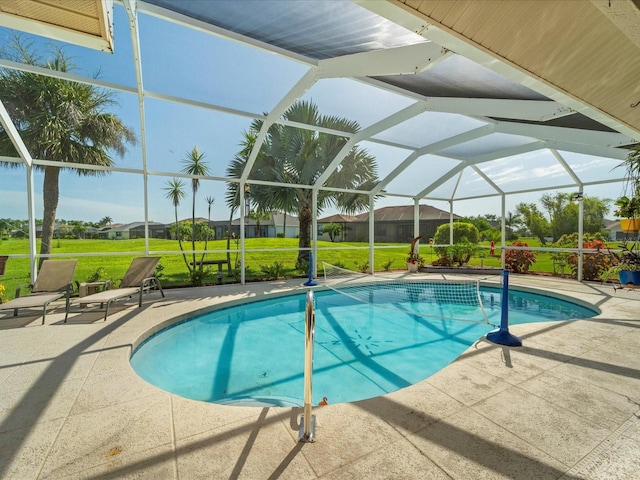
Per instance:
(501,335)
(310,282)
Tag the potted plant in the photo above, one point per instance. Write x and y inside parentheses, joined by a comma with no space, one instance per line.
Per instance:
(628,212)
(628,205)
(625,264)
(413,259)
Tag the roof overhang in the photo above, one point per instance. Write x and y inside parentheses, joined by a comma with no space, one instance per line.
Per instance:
(584,55)
(88,23)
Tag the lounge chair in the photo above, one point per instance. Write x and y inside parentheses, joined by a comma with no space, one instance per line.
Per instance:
(54,281)
(139,278)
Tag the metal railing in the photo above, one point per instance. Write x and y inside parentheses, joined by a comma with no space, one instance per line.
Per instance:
(308,421)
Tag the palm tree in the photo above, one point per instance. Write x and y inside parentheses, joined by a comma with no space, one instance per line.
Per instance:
(104,221)
(512,220)
(297,156)
(210,201)
(194,165)
(232,196)
(259,215)
(58,120)
(175,192)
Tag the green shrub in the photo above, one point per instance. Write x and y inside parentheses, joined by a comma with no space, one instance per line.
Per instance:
(99,274)
(273,271)
(465,237)
(443,261)
(197,276)
(362,267)
(460,253)
(159,269)
(461,230)
(302,266)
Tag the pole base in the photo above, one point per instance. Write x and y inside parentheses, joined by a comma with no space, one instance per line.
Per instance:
(503,337)
(309,283)
(307,436)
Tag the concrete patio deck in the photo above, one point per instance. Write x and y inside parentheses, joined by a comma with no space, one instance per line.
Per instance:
(566,405)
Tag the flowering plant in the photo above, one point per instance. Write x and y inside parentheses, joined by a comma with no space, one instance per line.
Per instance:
(1,291)
(415,258)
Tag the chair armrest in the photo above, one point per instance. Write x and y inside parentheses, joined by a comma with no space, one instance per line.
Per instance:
(146,283)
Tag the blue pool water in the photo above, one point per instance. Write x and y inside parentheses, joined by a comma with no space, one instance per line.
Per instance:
(253,354)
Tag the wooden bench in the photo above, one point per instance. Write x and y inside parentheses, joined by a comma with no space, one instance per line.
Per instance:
(220,263)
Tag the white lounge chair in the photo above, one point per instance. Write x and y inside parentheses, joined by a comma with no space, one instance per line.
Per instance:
(54,281)
(139,278)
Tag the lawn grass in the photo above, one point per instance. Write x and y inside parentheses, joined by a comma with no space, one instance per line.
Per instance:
(174,271)
(350,255)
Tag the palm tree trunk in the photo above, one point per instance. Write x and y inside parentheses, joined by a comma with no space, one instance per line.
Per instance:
(193,231)
(229,244)
(186,262)
(304,215)
(50,195)
(206,238)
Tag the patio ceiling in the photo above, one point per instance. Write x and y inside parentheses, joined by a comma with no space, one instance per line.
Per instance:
(511,78)
(528,85)
(585,55)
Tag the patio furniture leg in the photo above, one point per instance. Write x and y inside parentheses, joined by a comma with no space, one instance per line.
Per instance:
(106,310)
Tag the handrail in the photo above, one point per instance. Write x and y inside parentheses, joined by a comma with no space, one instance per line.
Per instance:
(307,425)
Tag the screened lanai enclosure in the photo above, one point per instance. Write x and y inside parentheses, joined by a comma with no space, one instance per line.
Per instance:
(467,106)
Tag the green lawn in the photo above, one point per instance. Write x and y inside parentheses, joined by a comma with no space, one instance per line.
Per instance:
(174,272)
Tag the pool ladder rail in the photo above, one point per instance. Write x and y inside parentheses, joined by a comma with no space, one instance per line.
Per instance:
(307,432)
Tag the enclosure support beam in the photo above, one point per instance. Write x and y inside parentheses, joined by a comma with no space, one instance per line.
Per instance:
(372,232)
(21,148)
(503,229)
(131,8)
(244,200)
(314,230)
(416,218)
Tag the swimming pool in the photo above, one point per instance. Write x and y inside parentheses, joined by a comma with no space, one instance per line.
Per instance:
(253,354)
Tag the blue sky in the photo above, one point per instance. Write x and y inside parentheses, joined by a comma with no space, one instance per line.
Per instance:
(178,61)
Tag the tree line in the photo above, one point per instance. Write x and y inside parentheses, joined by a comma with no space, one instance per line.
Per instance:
(557,216)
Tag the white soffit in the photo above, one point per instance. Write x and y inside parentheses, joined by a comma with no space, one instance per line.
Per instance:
(88,23)
(575,52)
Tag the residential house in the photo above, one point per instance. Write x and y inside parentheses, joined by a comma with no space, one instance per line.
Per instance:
(616,233)
(118,231)
(64,230)
(156,230)
(278,224)
(392,224)
(104,231)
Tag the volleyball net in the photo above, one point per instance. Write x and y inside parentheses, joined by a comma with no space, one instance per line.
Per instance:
(453,299)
